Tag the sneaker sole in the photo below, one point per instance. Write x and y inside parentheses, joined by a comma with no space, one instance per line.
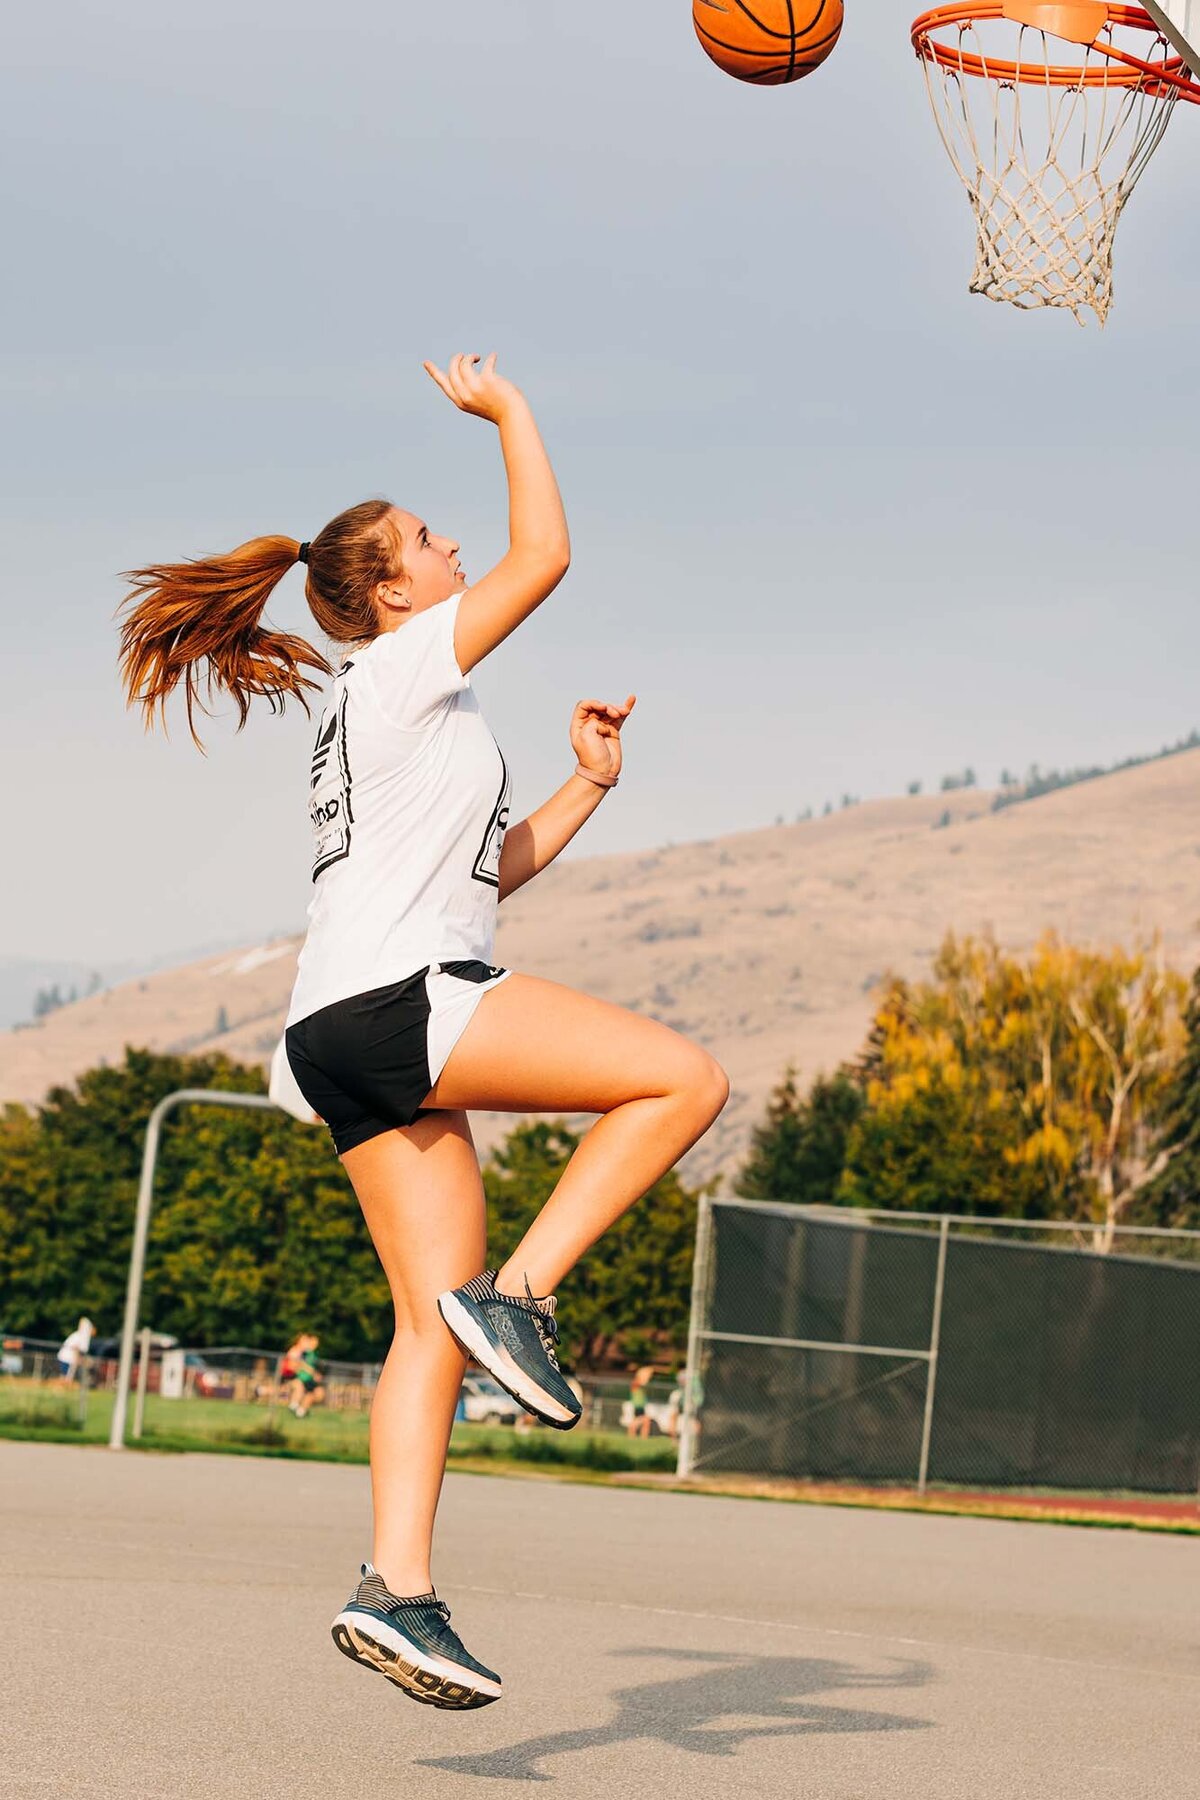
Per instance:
(375,1645)
(470,1337)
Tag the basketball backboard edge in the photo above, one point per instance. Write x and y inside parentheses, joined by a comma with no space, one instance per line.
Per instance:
(1180,20)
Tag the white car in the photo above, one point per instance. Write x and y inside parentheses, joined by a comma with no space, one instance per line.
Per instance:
(486,1403)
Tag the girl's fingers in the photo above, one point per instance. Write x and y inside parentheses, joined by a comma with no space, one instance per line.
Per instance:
(461,378)
(445,380)
(442,380)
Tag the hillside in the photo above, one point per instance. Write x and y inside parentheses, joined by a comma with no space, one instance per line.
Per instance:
(764,945)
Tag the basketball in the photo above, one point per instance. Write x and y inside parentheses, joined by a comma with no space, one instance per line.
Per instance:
(767,42)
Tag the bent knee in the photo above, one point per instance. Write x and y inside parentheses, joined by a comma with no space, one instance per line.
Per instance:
(706,1083)
(718,1085)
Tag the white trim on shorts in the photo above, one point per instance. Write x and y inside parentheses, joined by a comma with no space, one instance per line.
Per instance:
(452,1003)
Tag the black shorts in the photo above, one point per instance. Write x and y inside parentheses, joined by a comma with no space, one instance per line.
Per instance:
(366,1065)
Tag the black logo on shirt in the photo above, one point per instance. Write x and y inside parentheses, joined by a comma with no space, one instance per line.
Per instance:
(487,860)
(331,810)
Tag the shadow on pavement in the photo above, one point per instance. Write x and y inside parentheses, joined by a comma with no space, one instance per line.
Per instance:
(682,1712)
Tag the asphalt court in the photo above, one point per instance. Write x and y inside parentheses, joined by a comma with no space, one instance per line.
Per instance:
(167,1635)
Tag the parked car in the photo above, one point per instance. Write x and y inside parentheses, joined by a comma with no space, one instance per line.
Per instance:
(210,1384)
(486,1402)
(200,1379)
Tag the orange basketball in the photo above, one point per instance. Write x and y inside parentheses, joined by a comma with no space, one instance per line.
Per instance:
(767,42)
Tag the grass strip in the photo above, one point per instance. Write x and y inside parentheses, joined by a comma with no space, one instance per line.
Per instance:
(221,1428)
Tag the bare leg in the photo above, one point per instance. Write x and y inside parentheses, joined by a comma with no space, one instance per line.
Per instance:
(422,1199)
(533,1046)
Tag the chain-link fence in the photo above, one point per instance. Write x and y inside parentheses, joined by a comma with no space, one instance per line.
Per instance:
(880,1347)
(246,1376)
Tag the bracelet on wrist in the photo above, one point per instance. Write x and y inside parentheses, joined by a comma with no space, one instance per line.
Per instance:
(594,776)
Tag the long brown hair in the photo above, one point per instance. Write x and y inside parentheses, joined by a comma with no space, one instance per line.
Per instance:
(200,622)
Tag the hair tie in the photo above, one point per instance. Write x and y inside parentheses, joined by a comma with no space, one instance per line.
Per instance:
(302,553)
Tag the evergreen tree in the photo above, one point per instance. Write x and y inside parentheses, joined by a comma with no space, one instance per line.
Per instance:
(1172,1198)
(940,1150)
(799,1151)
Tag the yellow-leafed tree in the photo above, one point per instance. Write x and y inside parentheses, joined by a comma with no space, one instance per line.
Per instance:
(1019,1086)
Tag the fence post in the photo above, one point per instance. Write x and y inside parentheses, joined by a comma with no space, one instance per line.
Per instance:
(691,1372)
(139,1405)
(939,1288)
(85,1372)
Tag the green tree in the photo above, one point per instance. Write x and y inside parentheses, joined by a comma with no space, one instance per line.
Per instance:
(1172,1196)
(627,1300)
(798,1152)
(255,1230)
(937,1150)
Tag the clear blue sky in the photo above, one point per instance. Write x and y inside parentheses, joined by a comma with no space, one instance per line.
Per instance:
(838,523)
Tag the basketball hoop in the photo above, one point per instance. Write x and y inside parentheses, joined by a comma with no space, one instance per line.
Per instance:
(1049,151)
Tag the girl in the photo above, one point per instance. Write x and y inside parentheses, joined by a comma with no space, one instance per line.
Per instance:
(400,1021)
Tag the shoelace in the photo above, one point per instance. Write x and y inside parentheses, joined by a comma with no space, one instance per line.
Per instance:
(547,1330)
(547,1326)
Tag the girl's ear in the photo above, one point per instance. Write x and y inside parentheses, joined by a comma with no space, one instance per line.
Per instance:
(391,596)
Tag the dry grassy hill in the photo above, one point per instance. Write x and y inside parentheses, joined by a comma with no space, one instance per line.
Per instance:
(764,945)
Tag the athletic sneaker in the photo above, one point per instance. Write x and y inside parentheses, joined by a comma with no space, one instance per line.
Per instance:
(513,1338)
(413,1643)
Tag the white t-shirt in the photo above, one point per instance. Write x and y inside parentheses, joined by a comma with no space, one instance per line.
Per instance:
(409,799)
(76,1345)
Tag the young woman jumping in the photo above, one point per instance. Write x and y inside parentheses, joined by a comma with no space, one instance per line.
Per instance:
(399,1020)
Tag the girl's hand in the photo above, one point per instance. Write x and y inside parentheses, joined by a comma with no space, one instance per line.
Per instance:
(476,389)
(596,734)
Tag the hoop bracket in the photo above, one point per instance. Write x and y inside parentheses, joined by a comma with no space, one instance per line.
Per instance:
(1076,21)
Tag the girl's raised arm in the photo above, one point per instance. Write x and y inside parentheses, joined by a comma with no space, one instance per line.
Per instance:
(539,551)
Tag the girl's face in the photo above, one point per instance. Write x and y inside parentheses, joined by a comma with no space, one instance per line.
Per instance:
(431,569)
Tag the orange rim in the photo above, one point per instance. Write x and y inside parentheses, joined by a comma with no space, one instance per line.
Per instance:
(1121,69)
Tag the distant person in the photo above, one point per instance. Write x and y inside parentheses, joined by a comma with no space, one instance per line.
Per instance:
(290,1363)
(400,1020)
(73,1350)
(308,1386)
(639,1418)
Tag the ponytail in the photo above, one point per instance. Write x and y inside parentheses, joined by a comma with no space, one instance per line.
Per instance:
(199,623)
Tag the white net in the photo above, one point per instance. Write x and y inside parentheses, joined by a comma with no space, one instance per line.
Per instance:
(1047,165)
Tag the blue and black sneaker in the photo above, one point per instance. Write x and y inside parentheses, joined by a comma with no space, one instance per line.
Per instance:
(513,1339)
(413,1643)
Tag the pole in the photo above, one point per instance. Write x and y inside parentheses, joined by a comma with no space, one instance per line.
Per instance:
(700,1262)
(939,1289)
(85,1381)
(141,1230)
(139,1404)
